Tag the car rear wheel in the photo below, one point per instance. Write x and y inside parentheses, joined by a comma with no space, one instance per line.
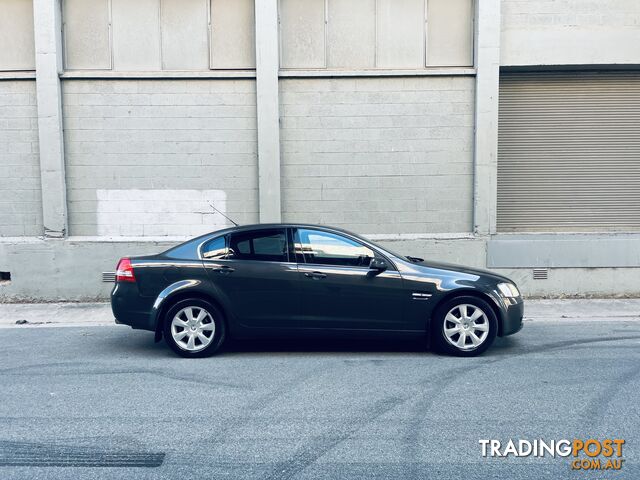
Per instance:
(465,326)
(194,328)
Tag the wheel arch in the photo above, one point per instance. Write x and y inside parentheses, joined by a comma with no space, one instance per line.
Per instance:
(170,300)
(469,292)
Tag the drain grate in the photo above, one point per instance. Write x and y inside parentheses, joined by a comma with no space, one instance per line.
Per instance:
(27,454)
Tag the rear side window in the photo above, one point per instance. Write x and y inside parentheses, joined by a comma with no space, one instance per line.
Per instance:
(215,248)
(265,245)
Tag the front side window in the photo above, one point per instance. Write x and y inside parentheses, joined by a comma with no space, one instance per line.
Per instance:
(215,248)
(265,245)
(325,248)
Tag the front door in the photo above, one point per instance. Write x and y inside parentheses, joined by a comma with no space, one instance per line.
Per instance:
(254,274)
(337,288)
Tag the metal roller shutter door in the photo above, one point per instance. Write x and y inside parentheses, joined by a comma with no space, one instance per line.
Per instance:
(569,153)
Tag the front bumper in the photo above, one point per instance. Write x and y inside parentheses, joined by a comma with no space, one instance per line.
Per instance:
(513,313)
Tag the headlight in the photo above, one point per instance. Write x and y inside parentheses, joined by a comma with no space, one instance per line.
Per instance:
(508,290)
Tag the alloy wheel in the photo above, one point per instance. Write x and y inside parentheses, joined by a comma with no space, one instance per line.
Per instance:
(466,326)
(193,328)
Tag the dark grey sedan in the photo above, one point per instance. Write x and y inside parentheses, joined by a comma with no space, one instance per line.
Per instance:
(291,279)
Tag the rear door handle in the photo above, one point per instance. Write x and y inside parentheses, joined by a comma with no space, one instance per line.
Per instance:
(224,270)
(315,275)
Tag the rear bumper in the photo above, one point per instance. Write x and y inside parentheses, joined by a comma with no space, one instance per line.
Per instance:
(512,317)
(129,308)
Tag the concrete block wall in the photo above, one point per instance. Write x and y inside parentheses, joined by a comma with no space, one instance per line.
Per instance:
(158,135)
(378,155)
(48,270)
(20,196)
(57,270)
(570,32)
(391,154)
(73,268)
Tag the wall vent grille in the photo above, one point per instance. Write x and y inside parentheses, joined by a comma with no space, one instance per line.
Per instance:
(540,273)
(108,277)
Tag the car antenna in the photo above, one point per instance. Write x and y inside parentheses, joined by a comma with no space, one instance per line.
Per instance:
(215,210)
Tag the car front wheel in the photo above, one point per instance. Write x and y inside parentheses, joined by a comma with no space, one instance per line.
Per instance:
(465,326)
(194,328)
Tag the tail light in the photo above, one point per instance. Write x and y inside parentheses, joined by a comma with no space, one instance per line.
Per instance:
(124,271)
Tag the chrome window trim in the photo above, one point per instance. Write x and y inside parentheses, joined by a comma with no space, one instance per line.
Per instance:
(385,256)
(226,241)
(207,240)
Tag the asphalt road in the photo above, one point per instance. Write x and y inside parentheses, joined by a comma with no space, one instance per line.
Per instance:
(106,402)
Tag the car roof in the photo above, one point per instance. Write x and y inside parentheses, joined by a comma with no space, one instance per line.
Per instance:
(266,226)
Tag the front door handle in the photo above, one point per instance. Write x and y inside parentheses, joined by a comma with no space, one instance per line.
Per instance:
(224,270)
(315,275)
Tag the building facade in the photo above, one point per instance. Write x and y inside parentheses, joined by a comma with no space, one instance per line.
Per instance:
(501,134)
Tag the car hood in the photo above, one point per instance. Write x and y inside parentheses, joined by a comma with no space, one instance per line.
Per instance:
(425,265)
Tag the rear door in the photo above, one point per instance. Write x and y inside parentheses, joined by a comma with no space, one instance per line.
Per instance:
(252,269)
(337,288)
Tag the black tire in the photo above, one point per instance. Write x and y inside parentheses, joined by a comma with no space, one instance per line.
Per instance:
(450,345)
(216,318)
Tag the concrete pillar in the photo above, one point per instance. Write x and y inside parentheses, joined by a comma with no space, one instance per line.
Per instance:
(268,115)
(47,31)
(487,59)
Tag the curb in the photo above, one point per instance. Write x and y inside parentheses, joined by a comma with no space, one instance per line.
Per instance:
(67,314)
(55,314)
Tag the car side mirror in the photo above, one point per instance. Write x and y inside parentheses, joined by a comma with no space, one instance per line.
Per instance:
(377,265)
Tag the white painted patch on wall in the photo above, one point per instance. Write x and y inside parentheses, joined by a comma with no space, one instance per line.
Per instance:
(159,213)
